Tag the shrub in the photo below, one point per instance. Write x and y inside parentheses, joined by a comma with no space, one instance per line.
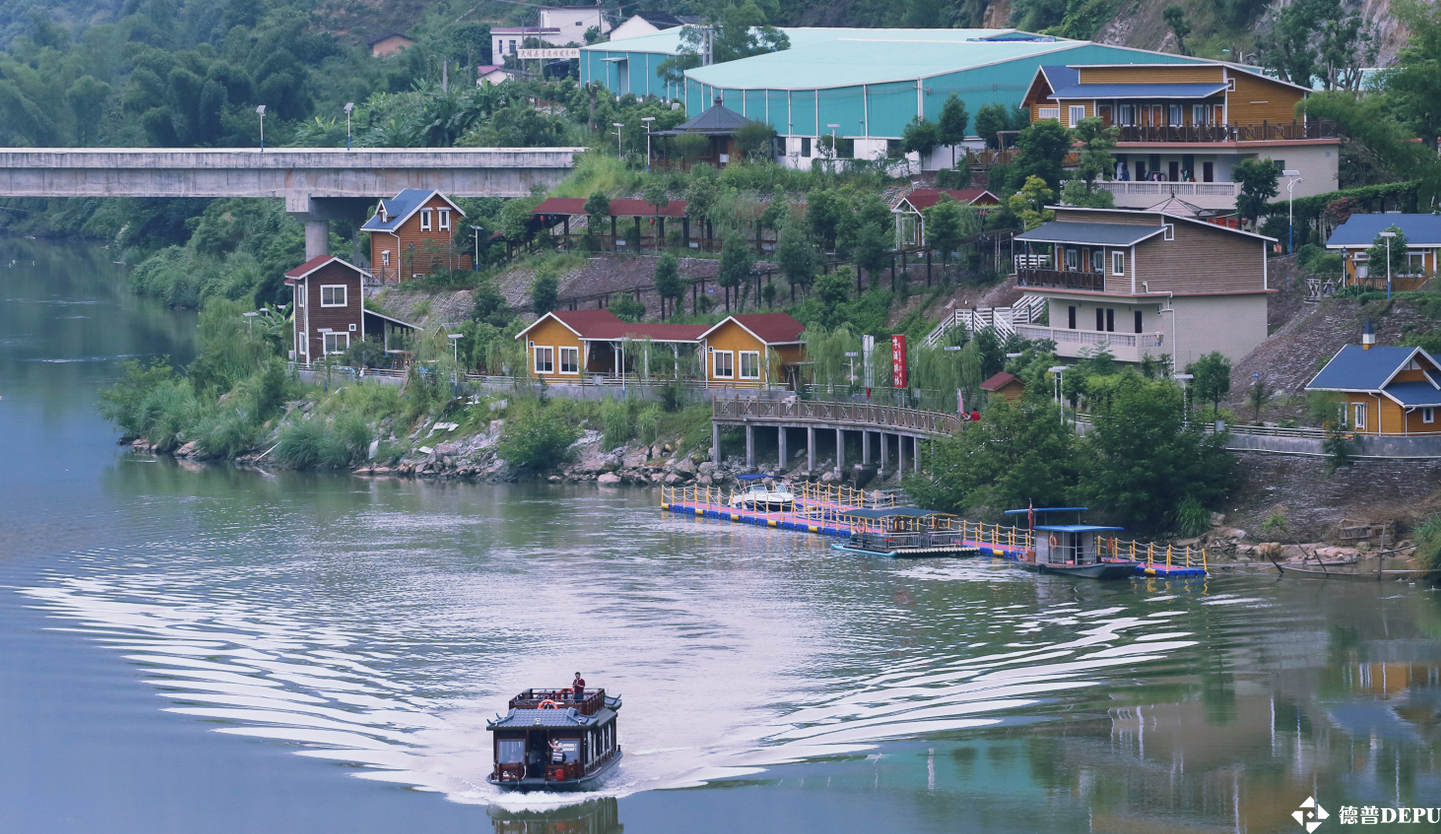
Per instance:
(647,423)
(1428,543)
(167,412)
(300,444)
(226,434)
(1192,517)
(535,442)
(615,422)
(122,402)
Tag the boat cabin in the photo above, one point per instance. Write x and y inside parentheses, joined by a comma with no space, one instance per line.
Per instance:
(583,732)
(902,531)
(1059,543)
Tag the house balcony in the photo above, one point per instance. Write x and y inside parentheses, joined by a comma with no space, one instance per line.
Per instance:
(1217,196)
(1062,279)
(1206,134)
(1125,347)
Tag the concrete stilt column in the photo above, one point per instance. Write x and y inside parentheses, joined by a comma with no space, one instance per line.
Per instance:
(810,449)
(865,448)
(900,453)
(317,238)
(750,446)
(882,470)
(915,454)
(781,443)
(840,450)
(715,453)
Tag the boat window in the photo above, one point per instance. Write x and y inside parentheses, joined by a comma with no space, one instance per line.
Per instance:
(571,746)
(510,751)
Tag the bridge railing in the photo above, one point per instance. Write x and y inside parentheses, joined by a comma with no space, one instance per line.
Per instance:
(856,414)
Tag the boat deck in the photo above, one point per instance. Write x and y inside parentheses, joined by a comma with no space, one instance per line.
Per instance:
(824,519)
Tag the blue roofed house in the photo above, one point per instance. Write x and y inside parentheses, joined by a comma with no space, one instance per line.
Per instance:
(413,235)
(1355,236)
(1384,390)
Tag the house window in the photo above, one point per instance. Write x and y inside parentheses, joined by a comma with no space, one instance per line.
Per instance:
(1415,262)
(336,342)
(512,47)
(332,295)
(1071,317)
(385,257)
(1198,114)
(445,220)
(1358,411)
(1098,260)
(544,360)
(570,360)
(300,292)
(1174,115)
(805,146)
(425,220)
(1126,114)
(1168,231)
(750,364)
(1043,113)
(1138,321)
(1073,259)
(1118,263)
(723,364)
(1428,415)
(304,343)
(1077,113)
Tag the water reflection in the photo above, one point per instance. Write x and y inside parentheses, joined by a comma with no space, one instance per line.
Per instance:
(596,816)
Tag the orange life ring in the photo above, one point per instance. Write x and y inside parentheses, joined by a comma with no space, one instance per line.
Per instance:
(1053,541)
(549,704)
(565,693)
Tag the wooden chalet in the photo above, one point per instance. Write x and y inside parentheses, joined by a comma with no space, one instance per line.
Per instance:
(1353,238)
(718,124)
(1007,385)
(413,235)
(330,312)
(571,346)
(736,351)
(1383,390)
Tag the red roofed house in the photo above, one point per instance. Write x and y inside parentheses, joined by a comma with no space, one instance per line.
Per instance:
(735,351)
(329,309)
(911,224)
(413,235)
(1006,385)
(570,345)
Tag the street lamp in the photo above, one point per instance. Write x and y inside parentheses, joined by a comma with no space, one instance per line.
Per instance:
(1182,378)
(647,120)
(960,397)
(1059,371)
(349,106)
(455,346)
(1291,207)
(833,144)
(260,111)
(851,355)
(1388,236)
(250,321)
(617,126)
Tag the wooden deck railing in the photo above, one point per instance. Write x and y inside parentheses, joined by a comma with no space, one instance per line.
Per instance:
(859,415)
(1265,131)
(1066,279)
(593,702)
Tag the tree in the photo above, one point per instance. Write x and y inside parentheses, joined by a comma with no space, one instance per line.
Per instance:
(701,196)
(1074,193)
(1175,17)
(490,307)
(823,214)
(1414,85)
(656,194)
(756,140)
(740,31)
(952,125)
(627,307)
(1042,149)
(1381,248)
(736,263)
(1259,184)
(1097,142)
(1287,48)
(872,251)
(1313,40)
(991,119)
(544,294)
(1257,397)
(1029,204)
(945,228)
(1211,379)
(668,284)
(691,146)
(920,137)
(597,210)
(796,257)
(832,291)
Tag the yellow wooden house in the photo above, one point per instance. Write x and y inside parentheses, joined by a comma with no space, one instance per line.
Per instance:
(573,346)
(737,351)
(1384,390)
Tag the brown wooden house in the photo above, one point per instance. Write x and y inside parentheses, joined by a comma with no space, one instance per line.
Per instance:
(413,235)
(330,313)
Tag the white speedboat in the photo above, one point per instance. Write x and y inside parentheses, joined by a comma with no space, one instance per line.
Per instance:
(762,494)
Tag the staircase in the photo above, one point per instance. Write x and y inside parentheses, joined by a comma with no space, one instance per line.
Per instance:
(1002,320)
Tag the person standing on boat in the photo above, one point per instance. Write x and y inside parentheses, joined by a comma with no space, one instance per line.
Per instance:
(578,688)
(557,752)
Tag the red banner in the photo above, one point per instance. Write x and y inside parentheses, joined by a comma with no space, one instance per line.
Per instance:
(898,361)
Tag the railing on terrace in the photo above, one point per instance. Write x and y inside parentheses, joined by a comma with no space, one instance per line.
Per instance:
(1263,132)
(1089,337)
(859,414)
(1165,188)
(1062,278)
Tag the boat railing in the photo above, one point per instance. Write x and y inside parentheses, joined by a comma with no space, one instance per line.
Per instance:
(593,702)
(1152,555)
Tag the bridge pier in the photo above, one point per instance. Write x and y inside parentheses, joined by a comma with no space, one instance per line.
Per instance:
(900,453)
(317,238)
(317,212)
(865,447)
(884,443)
(715,454)
(841,451)
(750,446)
(810,449)
(781,442)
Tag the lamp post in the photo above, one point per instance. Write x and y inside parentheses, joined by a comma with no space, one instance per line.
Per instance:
(349,106)
(851,355)
(1388,236)
(833,145)
(1291,207)
(455,346)
(1182,378)
(960,397)
(617,126)
(475,260)
(260,111)
(250,321)
(1059,371)
(647,120)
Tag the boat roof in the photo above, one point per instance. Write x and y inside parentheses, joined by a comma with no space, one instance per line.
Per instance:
(521,719)
(756,476)
(1074,528)
(910,512)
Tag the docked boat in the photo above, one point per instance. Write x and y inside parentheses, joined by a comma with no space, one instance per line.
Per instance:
(762,494)
(901,533)
(550,742)
(1071,549)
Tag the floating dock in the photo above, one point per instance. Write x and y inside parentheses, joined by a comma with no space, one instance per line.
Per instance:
(823,511)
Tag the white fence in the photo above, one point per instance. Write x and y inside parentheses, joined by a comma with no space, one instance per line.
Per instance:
(1001,319)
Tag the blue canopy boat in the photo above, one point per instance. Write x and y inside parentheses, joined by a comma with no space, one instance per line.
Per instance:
(550,742)
(1070,549)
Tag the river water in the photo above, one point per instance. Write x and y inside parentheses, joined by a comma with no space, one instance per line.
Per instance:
(190,648)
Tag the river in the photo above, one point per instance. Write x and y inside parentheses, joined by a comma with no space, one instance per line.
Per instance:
(200,648)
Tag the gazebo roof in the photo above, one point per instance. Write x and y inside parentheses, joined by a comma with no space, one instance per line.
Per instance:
(718,120)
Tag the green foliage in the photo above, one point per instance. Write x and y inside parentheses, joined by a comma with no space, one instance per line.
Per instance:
(1029,204)
(533,441)
(1413,87)
(951,126)
(1428,543)
(1388,256)
(1337,447)
(756,140)
(1211,379)
(544,294)
(1259,184)
(1074,193)
(627,307)
(991,119)
(124,402)
(920,137)
(740,30)
(796,257)
(948,223)
(736,263)
(1041,147)
(647,424)
(668,283)
(1316,40)
(1175,17)
(1192,517)
(1097,144)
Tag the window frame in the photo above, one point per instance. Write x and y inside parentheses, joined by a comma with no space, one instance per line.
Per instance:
(1071,113)
(385,257)
(325,343)
(741,364)
(426,221)
(1098,260)
(1072,259)
(1043,113)
(1199,113)
(1358,416)
(806,146)
(1175,115)
(730,363)
(443,219)
(1118,263)
(1428,414)
(1126,115)
(344,295)
(535,353)
(561,353)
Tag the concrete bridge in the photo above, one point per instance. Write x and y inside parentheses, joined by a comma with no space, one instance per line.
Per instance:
(889,426)
(318,184)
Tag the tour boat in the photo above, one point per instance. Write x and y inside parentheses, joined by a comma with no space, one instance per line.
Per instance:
(763,495)
(584,731)
(1071,549)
